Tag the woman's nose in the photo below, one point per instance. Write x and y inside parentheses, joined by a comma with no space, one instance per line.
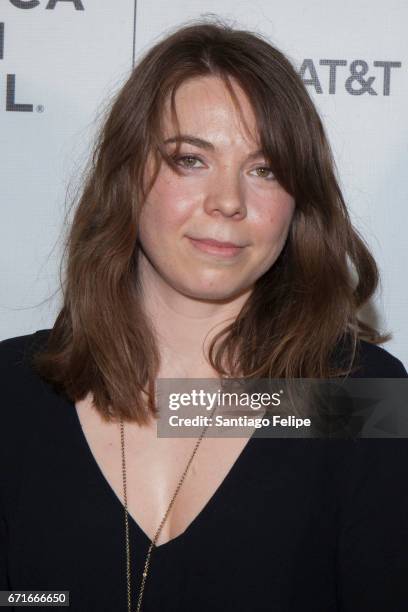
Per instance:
(225,193)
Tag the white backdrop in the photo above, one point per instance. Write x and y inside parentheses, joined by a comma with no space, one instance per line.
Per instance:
(61,61)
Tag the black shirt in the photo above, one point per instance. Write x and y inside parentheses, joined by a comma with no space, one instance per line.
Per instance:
(297,525)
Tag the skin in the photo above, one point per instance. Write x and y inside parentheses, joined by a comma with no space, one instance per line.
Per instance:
(227,196)
(224,194)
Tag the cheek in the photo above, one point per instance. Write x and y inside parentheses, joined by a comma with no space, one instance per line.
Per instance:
(275,222)
(170,203)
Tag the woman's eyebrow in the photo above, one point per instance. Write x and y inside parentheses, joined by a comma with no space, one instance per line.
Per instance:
(193,140)
(204,144)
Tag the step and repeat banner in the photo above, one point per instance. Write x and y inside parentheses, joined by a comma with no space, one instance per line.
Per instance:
(61,61)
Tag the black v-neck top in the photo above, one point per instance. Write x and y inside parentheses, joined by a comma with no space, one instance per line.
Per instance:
(298,525)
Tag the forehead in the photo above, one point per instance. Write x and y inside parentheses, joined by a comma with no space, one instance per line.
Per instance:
(204,106)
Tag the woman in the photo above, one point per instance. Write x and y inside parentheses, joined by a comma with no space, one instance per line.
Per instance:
(213,139)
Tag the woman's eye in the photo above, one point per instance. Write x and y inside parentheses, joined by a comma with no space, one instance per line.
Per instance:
(264,172)
(187,161)
(190,162)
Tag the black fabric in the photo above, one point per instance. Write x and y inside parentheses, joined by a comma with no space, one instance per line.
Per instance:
(298,525)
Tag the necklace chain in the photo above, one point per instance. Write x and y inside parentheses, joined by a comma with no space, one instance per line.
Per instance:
(153,542)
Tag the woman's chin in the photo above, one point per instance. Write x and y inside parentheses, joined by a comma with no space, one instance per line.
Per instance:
(216,292)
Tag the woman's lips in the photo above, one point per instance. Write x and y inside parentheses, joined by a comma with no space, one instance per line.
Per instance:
(214,248)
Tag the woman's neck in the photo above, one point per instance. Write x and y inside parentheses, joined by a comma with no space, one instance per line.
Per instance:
(184,326)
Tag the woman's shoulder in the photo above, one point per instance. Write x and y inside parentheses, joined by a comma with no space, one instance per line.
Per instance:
(16,353)
(18,345)
(22,390)
(371,360)
(28,412)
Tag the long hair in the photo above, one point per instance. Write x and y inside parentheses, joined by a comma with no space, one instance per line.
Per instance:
(299,310)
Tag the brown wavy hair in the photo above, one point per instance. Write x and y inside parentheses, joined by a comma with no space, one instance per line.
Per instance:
(300,311)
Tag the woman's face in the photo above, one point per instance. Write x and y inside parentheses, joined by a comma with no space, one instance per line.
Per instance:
(224,192)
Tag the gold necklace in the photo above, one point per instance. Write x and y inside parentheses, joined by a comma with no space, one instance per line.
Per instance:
(153,542)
